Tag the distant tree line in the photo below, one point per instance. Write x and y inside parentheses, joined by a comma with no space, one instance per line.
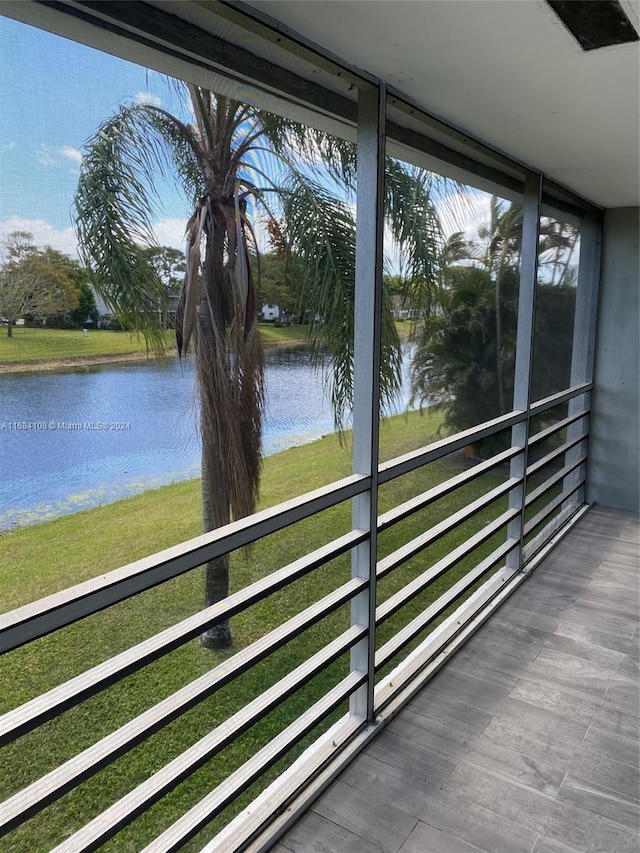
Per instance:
(43,286)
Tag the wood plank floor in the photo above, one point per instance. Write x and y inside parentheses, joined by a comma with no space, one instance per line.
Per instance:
(527,742)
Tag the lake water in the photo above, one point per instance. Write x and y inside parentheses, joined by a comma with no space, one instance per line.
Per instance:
(76,439)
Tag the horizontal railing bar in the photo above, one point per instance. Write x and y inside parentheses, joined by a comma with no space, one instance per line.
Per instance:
(442,642)
(402,511)
(62,608)
(168,777)
(417,458)
(550,507)
(533,496)
(106,825)
(561,397)
(557,426)
(423,620)
(249,595)
(177,835)
(296,786)
(555,453)
(385,610)
(414,546)
(45,790)
(52,703)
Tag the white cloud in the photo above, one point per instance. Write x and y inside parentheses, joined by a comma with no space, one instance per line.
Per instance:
(170,232)
(51,157)
(71,154)
(46,155)
(43,233)
(10,146)
(464,212)
(147,98)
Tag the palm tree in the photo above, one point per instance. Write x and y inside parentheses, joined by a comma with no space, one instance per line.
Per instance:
(497,256)
(464,355)
(456,350)
(235,161)
(497,253)
(503,241)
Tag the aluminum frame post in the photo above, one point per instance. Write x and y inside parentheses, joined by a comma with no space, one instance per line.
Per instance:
(524,358)
(584,345)
(371,144)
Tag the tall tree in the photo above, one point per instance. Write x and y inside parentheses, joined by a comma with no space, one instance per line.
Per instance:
(277,285)
(234,161)
(34,282)
(497,252)
(502,238)
(170,267)
(87,310)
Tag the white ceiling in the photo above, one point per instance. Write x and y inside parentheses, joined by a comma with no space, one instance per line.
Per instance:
(506,71)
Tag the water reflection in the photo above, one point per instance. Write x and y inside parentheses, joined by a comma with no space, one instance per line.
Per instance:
(77,439)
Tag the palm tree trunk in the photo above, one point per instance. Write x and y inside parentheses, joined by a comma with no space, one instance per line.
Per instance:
(216,511)
(216,571)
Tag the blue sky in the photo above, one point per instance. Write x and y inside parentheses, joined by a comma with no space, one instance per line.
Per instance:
(55,93)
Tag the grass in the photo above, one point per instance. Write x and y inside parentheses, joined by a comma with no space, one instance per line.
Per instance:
(51,344)
(40,345)
(38,560)
(47,345)
(272,334)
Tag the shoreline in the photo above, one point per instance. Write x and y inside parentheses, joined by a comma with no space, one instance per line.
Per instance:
(295,457)
(47,365)
(69,362)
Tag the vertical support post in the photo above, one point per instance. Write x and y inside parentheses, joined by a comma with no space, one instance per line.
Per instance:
(524,358)
(366,375)
(584,345)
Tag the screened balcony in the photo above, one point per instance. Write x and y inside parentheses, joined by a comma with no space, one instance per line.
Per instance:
(468,678)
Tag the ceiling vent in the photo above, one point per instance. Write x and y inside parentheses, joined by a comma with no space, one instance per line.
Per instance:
(595,23)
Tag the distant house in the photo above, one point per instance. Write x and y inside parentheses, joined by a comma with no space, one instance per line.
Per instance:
(105,314)
(402,309)
(270,313)
(168,319)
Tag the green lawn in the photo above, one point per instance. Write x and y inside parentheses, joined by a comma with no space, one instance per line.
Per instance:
(51,344)
(35,345)
(272,334)
(280,334)
(38,560)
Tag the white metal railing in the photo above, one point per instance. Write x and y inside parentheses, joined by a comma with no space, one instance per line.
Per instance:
(56,611)
(419,624)
(62,608)
(560,397)
(417,458)
(572,475)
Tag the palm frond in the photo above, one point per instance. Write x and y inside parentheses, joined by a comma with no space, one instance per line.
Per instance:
(320,232)
(416,231)
(114,205)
